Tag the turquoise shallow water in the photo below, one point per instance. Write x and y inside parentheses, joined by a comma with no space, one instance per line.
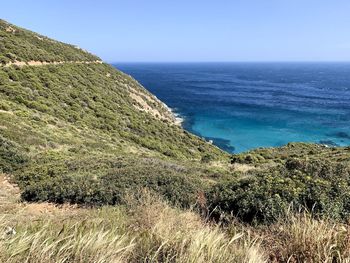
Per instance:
(241,106)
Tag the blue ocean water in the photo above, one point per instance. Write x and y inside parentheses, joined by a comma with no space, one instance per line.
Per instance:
(241,106)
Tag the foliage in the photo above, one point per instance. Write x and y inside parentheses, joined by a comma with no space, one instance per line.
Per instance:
(11,156)
(66,182)
(77,94)
(19,44)
(321,187)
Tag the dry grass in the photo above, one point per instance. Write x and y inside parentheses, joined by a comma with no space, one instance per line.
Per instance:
(300,238)
(146,230)
(182,236)
(47,241)
(241,167)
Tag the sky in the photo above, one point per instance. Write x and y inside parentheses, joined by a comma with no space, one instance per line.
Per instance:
(192,30)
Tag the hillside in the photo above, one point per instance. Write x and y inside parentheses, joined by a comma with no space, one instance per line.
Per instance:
(76,132)
(18,44)
(74,129)
(73,116)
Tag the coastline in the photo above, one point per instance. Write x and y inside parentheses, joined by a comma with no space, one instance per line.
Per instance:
(178,120)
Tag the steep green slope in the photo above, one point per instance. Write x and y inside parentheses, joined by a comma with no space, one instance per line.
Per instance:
(93,97)
(18,44)
(63,125)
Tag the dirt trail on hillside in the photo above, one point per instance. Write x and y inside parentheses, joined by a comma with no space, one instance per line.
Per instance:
(143,100)
(44,63)
(10,204)
(9,193)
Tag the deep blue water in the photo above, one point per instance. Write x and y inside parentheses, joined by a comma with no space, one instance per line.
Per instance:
(241,106)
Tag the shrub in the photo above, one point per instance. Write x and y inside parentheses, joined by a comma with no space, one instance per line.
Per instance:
(294,164)
(105,181)
(322,188)
(4,60)
(109,189)
(207,158)
(244,158)
(12,156)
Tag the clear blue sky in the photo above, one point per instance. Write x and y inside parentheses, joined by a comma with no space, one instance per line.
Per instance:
(193,30)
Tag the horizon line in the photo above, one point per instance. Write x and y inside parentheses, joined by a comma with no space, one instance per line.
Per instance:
(258,61)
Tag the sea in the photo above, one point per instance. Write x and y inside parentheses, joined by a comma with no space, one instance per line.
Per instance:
(243,106)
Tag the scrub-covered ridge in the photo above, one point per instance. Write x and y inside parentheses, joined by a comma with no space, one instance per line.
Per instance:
(84,121)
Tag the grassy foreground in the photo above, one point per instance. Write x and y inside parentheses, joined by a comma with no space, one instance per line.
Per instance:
(147,229)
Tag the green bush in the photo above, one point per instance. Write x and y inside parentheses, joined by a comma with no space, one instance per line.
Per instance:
(110,189)
(207,158)
(102,181)
(4,60)
(245,158)
(320,187)
(24,45)
(12,156)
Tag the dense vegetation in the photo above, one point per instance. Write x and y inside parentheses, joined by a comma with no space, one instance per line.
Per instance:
(72,181)
(18,44)
(316,184)
(147,229)
(88,134)
(77,94)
